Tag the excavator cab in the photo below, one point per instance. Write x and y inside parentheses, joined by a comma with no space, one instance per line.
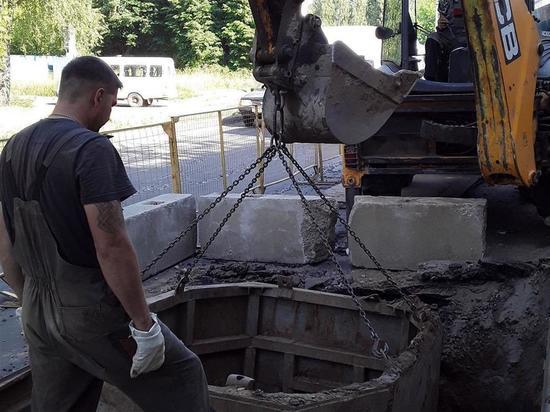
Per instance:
(393,123)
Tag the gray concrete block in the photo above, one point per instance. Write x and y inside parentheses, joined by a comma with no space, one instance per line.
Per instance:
(402,232)
(152,224)
(267,228)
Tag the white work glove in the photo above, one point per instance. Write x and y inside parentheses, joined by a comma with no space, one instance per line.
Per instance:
(18,315)
(149,354)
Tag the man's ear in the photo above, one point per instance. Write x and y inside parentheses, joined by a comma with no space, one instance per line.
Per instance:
(98,96)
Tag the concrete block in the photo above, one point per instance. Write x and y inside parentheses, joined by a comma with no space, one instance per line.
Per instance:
(267,228)
(402,232)
(152,224)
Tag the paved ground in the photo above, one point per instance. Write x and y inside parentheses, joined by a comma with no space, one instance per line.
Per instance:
(14,118)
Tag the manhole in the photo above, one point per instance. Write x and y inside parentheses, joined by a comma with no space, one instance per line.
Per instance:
(304,350)
(269,348)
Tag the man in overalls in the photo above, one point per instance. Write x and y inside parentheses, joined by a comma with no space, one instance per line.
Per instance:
(66,253)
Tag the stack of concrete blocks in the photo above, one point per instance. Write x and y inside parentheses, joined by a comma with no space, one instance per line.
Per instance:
(154,223)
(268,228)
(402,232)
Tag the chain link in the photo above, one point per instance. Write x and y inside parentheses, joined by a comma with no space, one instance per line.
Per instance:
(270,155)
(380,348)
(270,151)
(352,233)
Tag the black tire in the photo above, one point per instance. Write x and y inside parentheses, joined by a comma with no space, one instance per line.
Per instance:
(135,100)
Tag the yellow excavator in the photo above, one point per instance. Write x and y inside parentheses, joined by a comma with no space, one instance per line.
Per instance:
(485,119)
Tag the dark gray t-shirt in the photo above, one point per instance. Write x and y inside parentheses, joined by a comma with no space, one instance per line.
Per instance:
(87,170)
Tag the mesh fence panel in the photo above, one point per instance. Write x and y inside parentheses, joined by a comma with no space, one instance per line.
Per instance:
(304,153)
(330,151)
(145,152)
(199,153)
(241,143)
(200,150)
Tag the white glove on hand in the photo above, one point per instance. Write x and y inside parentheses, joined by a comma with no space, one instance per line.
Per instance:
(18,315)
(149,354)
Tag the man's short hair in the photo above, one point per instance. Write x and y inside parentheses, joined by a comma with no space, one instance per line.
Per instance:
(86,72)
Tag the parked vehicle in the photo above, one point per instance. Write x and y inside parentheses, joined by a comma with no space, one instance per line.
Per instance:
(144,78)
(247,106)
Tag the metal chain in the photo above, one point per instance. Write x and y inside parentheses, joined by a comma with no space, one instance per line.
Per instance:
(352,233)
(379,347)
(270,151)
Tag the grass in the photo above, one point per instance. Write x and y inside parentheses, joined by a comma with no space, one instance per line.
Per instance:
(21,101)
(47,89)
(189,83)
(193,82)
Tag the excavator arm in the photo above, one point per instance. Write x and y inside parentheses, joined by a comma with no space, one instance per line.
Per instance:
(504,42)
(330,95)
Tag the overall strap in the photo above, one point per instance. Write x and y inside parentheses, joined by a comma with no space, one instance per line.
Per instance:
(49,158)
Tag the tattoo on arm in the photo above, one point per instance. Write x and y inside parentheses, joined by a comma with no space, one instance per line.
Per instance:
(109,216)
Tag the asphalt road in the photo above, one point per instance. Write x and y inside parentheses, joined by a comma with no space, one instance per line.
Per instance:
(146,155)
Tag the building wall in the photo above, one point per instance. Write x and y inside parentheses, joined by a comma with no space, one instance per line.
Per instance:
(36,69)
(360,39)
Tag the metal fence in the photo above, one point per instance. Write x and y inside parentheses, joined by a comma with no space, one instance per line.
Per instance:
(202,153)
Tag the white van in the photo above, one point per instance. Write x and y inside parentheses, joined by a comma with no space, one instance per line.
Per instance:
(144,79)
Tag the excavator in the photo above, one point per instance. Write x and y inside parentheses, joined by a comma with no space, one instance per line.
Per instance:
(486,119)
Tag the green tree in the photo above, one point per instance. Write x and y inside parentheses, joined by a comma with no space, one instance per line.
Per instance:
(6,13)
(341,12)
(135,27)
(234,26)
(191,24)
(126,21)
(374,12)
(40,26)
(425,17)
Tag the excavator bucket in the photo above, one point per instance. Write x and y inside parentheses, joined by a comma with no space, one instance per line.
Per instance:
(504,41)
(330,94)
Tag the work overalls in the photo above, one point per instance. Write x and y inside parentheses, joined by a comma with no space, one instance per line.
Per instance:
(77,330)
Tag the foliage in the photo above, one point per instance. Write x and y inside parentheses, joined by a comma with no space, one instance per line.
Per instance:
(341,12)
(21,102)
(6,9)
(6,13)
(234,26)
(425,17)
(128,23)
(391,48)
(216,77)
(47,88)
(374,12)
(191,23)
(40,26)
